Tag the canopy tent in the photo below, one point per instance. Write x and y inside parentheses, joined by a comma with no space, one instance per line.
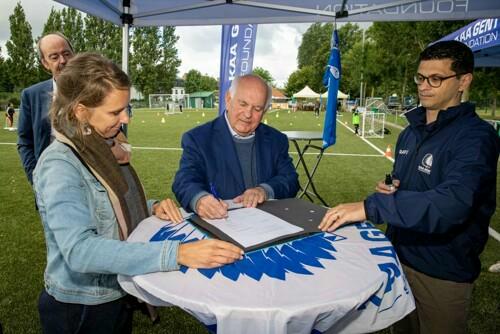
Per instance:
(215,12)
(340,95)
(306,93)
(482,36)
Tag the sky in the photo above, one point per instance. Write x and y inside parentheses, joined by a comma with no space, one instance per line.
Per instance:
(198,47)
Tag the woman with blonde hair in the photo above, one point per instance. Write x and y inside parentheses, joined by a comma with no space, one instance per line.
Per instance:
(90,199)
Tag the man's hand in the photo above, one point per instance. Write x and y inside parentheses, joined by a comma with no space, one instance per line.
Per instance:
(251,197)
(387,188)
(208,253)
(211,208)
(342,214)
(167,210)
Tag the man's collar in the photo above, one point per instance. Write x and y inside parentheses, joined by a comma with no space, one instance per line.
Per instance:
(233,133)
(54,86)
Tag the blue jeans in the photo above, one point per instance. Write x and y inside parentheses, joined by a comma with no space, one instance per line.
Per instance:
(58,317)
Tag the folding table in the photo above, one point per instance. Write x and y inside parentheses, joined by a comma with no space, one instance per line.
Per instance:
(309,136)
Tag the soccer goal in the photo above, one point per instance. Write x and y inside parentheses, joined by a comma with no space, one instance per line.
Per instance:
(373,125)
(170,103)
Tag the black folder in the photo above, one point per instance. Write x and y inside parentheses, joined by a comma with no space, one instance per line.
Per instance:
(295,211)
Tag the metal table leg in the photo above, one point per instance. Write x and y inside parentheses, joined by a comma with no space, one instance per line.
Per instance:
(309,175)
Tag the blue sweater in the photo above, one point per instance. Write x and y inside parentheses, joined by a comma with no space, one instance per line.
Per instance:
(438,218)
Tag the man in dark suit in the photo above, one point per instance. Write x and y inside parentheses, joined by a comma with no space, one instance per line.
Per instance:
(34,130)
(235,156)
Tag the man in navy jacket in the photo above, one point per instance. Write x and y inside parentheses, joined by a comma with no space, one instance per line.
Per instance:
(235,156)
(34,129)
(443,195)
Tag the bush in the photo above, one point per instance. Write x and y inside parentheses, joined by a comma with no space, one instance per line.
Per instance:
(7,97)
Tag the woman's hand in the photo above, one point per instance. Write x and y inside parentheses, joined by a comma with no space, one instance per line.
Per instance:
(208,253)
(167,210)
(342,214)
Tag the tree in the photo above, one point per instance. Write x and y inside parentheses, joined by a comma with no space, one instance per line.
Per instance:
(20,50)
(53,23)
(195,82)
(396,58)
(145,58)
(315,48)
(485,89)
(154,61)
(72,28)
(169,62)
(298,80)
(5,82)
(264,74)
(103,37)
(317,35)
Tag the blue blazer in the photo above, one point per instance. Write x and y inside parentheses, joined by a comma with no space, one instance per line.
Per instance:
(34,124)
(209,156)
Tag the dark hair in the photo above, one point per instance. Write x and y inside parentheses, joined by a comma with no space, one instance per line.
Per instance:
(88,78)
(460,54)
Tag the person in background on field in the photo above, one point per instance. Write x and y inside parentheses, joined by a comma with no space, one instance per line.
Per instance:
(34,131)
(442,195)
(316,108)
(90,199)
(235,157)
(9,115)
(294,104)
(181,104)
(355,120)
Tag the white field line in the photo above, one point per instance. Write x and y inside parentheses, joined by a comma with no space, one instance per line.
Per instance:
(369,143)
(292,152)
(492,232)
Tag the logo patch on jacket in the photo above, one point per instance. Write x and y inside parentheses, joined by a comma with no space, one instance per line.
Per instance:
(426,164)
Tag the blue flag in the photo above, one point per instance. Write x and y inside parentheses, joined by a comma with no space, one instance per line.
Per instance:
(331,79)
(237,49)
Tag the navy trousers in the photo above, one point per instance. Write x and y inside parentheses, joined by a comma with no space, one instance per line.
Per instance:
(65,318)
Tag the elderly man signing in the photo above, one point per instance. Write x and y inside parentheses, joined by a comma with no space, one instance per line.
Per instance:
(235,157)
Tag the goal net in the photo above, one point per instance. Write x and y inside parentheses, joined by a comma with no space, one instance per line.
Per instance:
(373,125)
(170,103)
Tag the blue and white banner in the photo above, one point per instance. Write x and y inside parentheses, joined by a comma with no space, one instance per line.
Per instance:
(237,50)
(331,79)
(482,36)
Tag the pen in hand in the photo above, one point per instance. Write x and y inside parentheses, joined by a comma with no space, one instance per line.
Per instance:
(213,192)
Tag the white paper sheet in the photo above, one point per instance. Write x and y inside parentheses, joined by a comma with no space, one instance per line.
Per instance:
(251,226)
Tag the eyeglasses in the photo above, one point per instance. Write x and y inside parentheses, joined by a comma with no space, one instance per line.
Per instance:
(434,80)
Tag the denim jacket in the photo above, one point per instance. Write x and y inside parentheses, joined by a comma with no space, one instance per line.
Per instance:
(84,253)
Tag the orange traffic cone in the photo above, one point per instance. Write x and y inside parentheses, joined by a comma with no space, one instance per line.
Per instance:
(388,151)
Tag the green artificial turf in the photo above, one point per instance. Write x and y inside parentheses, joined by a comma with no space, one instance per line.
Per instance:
(340,178)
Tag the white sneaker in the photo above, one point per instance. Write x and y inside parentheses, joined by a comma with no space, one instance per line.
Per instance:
(495,268)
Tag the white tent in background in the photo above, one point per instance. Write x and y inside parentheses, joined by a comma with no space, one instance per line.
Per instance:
(306,93)
(340,95)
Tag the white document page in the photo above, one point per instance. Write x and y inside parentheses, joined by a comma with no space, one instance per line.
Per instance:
(251,226)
